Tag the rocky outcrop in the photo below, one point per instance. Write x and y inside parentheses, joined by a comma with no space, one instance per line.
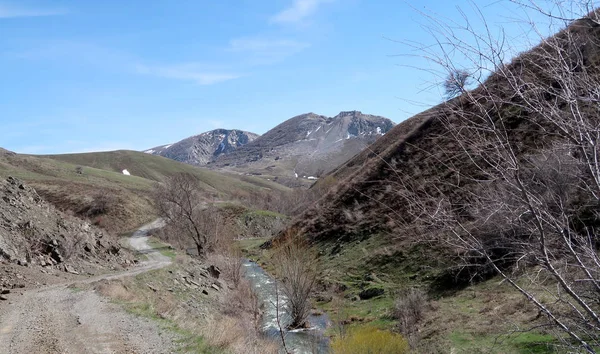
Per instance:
(204,148)
(34,233)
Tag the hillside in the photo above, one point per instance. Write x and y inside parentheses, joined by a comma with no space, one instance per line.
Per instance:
(34,233)
(421,157)
(306,146)
(204,148)
(491,180)
(102,193)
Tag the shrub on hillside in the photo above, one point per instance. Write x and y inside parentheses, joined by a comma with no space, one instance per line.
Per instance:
(369,340)
(408,309)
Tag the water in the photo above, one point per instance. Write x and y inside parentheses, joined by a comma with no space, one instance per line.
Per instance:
(302,341)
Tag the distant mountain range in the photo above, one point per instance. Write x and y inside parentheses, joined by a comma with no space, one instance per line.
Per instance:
(303,147)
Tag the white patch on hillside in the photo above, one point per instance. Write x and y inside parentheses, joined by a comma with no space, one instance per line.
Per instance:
(149,151)
(378,130)
(312,178)
(168,146)
(126,173)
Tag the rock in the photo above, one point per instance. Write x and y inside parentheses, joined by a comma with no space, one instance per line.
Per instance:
(370,293)
(204,292)
(214,286)
(324,298)
(4,291)
(4,298)
(152,288)
(214,271)
(70,269)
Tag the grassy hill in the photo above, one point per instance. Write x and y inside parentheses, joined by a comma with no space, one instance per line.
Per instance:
(104,194)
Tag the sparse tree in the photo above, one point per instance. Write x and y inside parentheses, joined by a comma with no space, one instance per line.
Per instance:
(522,189)
(181,204)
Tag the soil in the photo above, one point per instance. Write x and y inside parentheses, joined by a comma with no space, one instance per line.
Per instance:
(61,318)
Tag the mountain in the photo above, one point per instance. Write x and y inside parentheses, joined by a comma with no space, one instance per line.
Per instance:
(204,148)
(446,161)
(306,146)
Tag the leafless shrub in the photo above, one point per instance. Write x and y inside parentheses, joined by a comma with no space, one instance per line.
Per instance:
(233,266)
(238,329)
(98,205)
(181,204)
(408,310)
(296,265)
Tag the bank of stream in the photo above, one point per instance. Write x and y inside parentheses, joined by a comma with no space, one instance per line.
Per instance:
(302,341)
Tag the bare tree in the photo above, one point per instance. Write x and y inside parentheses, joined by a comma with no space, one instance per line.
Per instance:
(181,204)
(456,83)
(296,265)
(522,191)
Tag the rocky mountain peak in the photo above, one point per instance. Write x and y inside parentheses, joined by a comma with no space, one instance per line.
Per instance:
(308,144)
(204,148)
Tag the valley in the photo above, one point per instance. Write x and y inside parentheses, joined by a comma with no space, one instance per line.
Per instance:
(471,226)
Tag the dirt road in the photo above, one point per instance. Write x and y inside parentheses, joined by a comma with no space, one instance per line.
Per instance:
(56,319)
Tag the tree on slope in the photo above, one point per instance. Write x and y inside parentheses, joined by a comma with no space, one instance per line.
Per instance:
(181,204)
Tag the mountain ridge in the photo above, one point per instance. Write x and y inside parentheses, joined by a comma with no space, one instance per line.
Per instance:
(203,148)
(307,145)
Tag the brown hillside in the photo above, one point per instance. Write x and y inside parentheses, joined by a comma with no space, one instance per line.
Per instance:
(384,189)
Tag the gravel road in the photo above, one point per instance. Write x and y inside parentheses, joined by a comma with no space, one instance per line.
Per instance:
(56,319)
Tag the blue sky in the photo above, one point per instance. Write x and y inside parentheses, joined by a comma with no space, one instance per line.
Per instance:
(102,75)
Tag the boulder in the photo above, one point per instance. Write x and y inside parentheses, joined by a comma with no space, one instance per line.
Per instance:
(214,272)
(371,293)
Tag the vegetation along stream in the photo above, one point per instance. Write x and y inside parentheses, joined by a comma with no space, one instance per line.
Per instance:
(302,341)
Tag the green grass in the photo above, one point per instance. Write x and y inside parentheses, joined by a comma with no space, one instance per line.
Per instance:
(264,213)
(56,179)
(163,248)
(521,343)
(156,168)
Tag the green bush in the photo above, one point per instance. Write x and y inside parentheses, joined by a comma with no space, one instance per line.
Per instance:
(369,340)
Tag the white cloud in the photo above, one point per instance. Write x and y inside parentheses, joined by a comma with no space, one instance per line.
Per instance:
(298,12)
(261,51)
(12,11)
(187,72)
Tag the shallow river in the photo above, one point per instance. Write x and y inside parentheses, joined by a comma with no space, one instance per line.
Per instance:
(305,341)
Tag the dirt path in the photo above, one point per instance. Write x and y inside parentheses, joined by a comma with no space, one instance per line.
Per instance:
(56,319)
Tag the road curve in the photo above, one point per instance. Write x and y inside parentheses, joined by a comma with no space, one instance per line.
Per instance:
(55,319)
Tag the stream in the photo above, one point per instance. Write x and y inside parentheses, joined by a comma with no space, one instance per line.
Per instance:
(302,341)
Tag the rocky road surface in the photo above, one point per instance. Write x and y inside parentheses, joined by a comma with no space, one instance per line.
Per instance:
(59,319)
